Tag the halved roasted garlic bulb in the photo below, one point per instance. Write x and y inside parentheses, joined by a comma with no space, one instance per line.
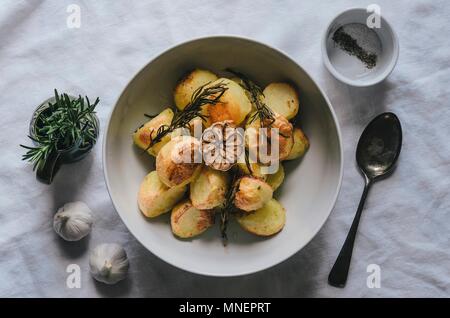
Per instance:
(222,145)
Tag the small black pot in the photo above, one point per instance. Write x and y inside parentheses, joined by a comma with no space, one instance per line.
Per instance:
(46,171)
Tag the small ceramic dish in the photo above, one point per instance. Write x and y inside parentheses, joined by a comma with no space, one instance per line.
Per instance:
(349,69)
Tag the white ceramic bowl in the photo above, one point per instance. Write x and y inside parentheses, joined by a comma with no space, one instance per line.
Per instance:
(349,69)
(308,194)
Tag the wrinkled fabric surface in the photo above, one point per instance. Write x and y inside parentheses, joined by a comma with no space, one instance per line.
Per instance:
(406,223)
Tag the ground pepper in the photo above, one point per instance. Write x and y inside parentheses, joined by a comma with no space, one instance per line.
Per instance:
(347,43)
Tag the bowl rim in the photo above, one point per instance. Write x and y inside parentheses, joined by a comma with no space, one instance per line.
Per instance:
(277,261)
(390,67)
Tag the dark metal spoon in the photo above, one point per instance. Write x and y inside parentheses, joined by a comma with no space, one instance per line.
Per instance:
(377,152)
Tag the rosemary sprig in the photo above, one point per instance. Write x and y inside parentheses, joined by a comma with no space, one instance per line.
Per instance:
(60,125)
(228,207)
(263,112)
(202,96)
(247,160)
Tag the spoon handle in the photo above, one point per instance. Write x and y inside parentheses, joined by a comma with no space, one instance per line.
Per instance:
(339,272)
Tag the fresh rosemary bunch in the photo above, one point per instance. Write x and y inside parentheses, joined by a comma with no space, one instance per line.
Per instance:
(61,125)
(263,112)
(203,95)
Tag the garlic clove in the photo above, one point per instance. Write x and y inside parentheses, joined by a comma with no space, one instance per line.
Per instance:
(73,221)
(108,263)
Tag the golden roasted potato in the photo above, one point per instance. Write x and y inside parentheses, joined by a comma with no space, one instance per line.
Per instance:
(188,84)
(277,178)
(254,166)
(179,161)
(155,198)
(144,134)
(239,81)
(252,193)
(301,144)
(284,137)
(209,189)
(188,221)
(282,98)
(266,221)
(233,105)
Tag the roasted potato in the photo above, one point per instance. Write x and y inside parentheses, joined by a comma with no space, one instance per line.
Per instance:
(276,179)
(254,166)
(282,98)
(188,84)
(209,189)
(144,134)
(240,82)
(179,161)
(233,105)
(155,198)
(284,136)
(301,144)
(188,221)
(252,193)
(266,221)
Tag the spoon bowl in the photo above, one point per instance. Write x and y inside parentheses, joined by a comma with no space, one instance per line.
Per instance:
(379,146)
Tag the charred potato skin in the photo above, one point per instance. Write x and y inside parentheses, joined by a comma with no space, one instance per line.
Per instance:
(234,105)
(267,221)
(172,173)
(301,145)
(144,134)
(252,193)
(155,198)
(282,98)
(209,189)
(187,221)
(189,83)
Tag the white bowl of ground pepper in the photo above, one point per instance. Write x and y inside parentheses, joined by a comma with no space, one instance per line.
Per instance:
(360,48)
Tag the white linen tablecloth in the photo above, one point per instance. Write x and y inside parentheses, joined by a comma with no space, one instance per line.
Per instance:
(405,227)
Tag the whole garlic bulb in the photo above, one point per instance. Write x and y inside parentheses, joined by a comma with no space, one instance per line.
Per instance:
(108,263)
(73,221)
